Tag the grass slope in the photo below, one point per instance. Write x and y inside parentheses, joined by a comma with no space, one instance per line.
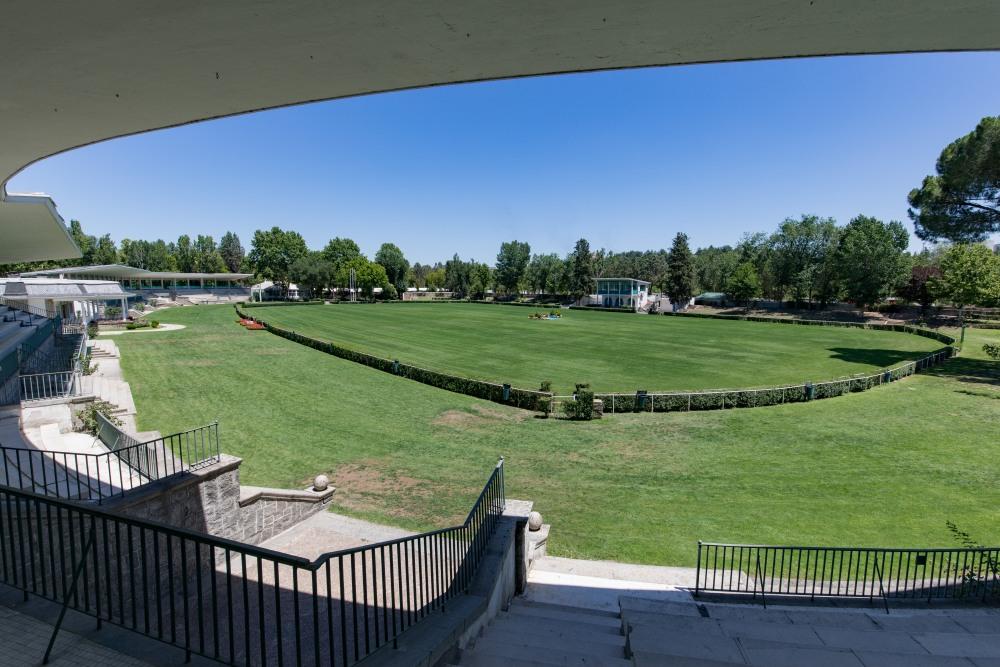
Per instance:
(612,351)
(886,467)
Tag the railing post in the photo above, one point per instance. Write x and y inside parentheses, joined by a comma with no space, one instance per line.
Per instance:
(697,572)
(70,593)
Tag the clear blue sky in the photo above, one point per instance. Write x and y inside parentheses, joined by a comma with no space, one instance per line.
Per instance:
(626,159)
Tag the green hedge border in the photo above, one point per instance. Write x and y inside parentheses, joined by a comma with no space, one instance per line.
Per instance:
(657,401)
(519,398)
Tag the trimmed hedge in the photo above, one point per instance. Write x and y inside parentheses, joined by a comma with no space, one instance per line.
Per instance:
(901,328)
(269,304)
(520,398)
(752,398)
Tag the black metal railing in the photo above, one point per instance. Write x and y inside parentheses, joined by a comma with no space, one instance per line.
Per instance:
(234,602)
(97,477)
(849,572)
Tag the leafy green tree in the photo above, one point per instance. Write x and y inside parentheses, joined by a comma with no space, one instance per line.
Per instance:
(544,273)
(314,272)
(367,275)
(680,282)
(581,273)
(435,278)
(232,251)
(103,251)
(395,264)
(185,254)
(744,284)
(512,261)
(84,242)
(340,251)
(970,276)
(872,259)
(713,267)
(961,202)
(798,251)
(272,253)
(480,279)
(921,286)
(457,276)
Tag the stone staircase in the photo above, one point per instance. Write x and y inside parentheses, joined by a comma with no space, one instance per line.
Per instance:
(652,632)
(107,383)
(535,634)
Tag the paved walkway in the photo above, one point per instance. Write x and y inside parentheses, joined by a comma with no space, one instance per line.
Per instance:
(23,640)
(163,327)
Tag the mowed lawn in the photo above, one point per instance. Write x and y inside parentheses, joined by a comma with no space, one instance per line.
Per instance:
(611,351)
(883,468)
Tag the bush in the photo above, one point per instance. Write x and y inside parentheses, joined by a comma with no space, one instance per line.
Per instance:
(140,307)
(582,405)
(993,350)
(112,312)
(131,325)
(154,323)
(88,416)
(91,329)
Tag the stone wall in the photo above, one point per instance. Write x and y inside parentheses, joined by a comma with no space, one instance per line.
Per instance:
(211,500)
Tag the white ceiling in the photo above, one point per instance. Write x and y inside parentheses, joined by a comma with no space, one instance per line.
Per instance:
(80,72)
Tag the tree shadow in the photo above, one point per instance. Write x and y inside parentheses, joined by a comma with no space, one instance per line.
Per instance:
(871,356)
(963,369)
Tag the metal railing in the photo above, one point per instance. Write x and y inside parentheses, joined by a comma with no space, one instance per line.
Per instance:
(24,307)
(849,572)
(102,476)
(44,386)
(234,602)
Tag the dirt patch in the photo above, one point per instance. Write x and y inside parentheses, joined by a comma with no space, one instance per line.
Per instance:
(366,486)
(480,417)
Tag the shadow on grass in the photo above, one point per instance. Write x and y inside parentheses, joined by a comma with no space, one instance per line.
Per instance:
(872,356)
(963,369)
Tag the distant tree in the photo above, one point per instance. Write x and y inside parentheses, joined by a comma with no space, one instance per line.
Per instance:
(962,202)
(744,284)
(512,261)
(970,276)
(84,242)
(435,278)
(314,272)
(920,287)
(103,251)
(457,276)
(680,282)
(232,251)
(367,275)
(544,273)
(207,258)
(798,251)
(185,254)
(480,279)
(713,267)
(341,251)
(872,259)
(581,273)
(272,253)
(395,264)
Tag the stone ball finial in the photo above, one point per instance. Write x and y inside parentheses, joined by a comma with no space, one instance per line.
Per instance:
(534,521)
(321,483)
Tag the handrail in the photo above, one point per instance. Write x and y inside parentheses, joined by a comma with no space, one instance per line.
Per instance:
(850,572)
(233,602)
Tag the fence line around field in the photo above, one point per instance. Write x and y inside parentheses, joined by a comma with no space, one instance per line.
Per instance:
(971,574)
(656,401)
(233,602)
(723,399)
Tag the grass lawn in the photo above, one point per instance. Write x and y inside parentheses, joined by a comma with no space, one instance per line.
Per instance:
(612,351)
(886,467)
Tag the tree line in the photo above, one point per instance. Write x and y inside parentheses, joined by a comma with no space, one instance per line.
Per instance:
(806,260)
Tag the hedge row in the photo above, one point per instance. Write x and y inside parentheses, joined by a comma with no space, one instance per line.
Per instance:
(603,309)
(750,398)
(525,304)
(520,398)
(902,328)
(268,304)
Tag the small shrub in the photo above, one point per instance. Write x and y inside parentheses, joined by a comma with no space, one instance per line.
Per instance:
(131,326)
(140,307)
(582,405)
(88,416)
(91,329)
(993,350)
(154,323)
(112,312)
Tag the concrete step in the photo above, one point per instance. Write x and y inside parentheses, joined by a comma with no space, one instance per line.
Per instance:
(659,606)
(637,619)
(645,659)
(666,641)
(776,654)
(554,612)
(557,629)
(519,652)
(554,642)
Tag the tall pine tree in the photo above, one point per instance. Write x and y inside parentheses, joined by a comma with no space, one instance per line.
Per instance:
(680,272)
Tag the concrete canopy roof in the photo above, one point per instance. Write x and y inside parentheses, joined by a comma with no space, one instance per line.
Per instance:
(31,229)
(123,271)
(77,73)
(60,290)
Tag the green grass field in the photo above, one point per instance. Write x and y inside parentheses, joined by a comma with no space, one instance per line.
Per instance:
(612,351)
(885,467)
